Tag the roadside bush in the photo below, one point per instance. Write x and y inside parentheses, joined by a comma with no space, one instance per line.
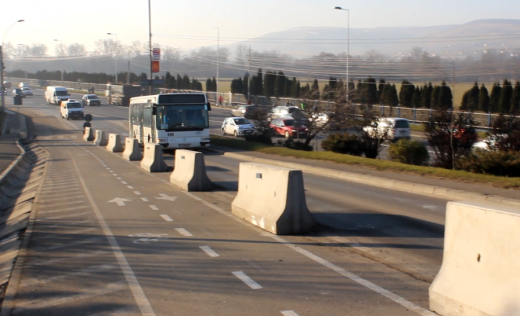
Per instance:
(259,138)
(343,143)
(497,163)
(410,152)
(296,145)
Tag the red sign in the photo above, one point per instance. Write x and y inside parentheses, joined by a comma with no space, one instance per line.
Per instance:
(155,66)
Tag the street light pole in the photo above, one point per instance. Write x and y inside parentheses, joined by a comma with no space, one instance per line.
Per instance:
(218,49)
(2,65)
(348,44)
(61,43)
(115,55)
(150,43)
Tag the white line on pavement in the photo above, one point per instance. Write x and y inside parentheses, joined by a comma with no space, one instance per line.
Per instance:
(167,218)
(137,193)
(65,216)
(184,232)
(289,313)
(209,251)
(144,199)
(130,187)
(133,283)
(124,182)
(53,188)
(118,178)
(60,204)
(63,210)
(247,280)
(350,275)
(153,207)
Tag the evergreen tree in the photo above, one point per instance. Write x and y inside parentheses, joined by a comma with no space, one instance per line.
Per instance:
(259,82)
(494,98)
(515,100)
(315,90)
(209,85)
(279,84)
(167,80)
(245,86)
(445,97)
(473,98)
(269,78)
(483,100)
(173,83)
(435,98)
(142,77)
(237,86)
(370,91)
(186,83)
(406,94)
(179,82)
(417,97)
(360,95)
(505,97)
(464,103)
(214,85)
(392,98)
(380,89)
(426,101)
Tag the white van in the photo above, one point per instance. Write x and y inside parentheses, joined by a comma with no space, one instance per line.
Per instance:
(71,109)
(391,128)
(56,94)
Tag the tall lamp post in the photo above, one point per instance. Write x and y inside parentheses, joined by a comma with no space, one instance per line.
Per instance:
(115,55)
(61,43)
(348,44)
(218,49)
(2,64)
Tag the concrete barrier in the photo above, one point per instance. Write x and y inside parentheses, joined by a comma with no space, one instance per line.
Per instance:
(89,134)
(101,138)
(480,270)
(114,143)
(153,158)
(132,150)
(272,198)
(189,172)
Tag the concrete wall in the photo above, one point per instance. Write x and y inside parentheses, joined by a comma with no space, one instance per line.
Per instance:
(114,143)
(88,134)
(101,138)
(132,150)
(153,158)
(480,272)
(189,173)
(272,198)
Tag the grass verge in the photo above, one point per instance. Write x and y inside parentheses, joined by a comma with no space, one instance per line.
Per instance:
(382,165)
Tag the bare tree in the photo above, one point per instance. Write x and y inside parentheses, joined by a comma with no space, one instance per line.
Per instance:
(38,50)
(76,49)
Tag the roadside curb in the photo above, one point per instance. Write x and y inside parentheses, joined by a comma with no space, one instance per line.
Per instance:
(422,189)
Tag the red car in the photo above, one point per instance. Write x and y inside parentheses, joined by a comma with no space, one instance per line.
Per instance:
(288,128)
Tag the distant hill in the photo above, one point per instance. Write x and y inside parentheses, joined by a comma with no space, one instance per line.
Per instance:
(453,40)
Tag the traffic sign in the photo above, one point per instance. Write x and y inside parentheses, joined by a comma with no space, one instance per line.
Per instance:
(156,54)
(155,66)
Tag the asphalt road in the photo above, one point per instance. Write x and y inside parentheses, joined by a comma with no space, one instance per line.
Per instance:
(111,239)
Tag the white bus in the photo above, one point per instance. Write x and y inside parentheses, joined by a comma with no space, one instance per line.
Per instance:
(174,120)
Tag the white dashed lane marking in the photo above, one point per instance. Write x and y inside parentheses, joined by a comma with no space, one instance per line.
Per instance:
(209,251)
(153,207)
(247,280)
(183,232)
(167,218)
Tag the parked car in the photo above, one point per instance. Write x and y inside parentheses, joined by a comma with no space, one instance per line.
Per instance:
(26,91)
(391,128)
(292,112)
(90,99)
(237,126)
(248,111)
(488,143)
(7,84)
(288,128)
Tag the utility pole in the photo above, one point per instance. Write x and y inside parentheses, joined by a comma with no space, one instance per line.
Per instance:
(249,77)
(453,82)
(150,43)
(128,74)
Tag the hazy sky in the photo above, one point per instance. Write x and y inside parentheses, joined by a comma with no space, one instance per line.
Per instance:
(84,22)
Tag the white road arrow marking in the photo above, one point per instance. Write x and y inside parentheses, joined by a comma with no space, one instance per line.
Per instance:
(163,196)
(119,201)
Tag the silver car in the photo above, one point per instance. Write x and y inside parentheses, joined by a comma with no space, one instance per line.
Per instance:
(237,126)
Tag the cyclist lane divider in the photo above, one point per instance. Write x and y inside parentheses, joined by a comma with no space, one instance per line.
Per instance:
(132,150)
(114,143)
(422,189)
(88,135)
(189,172)
(101,138)
(280,188)
(480,270)
(153,158)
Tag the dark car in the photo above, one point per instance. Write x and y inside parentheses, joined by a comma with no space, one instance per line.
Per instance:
(90,99)
(288,128)
(249,111)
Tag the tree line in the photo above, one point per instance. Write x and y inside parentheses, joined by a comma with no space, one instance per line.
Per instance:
(504,99)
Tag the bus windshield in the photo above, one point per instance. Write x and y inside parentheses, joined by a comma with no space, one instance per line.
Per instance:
(62,93)
(182,117)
